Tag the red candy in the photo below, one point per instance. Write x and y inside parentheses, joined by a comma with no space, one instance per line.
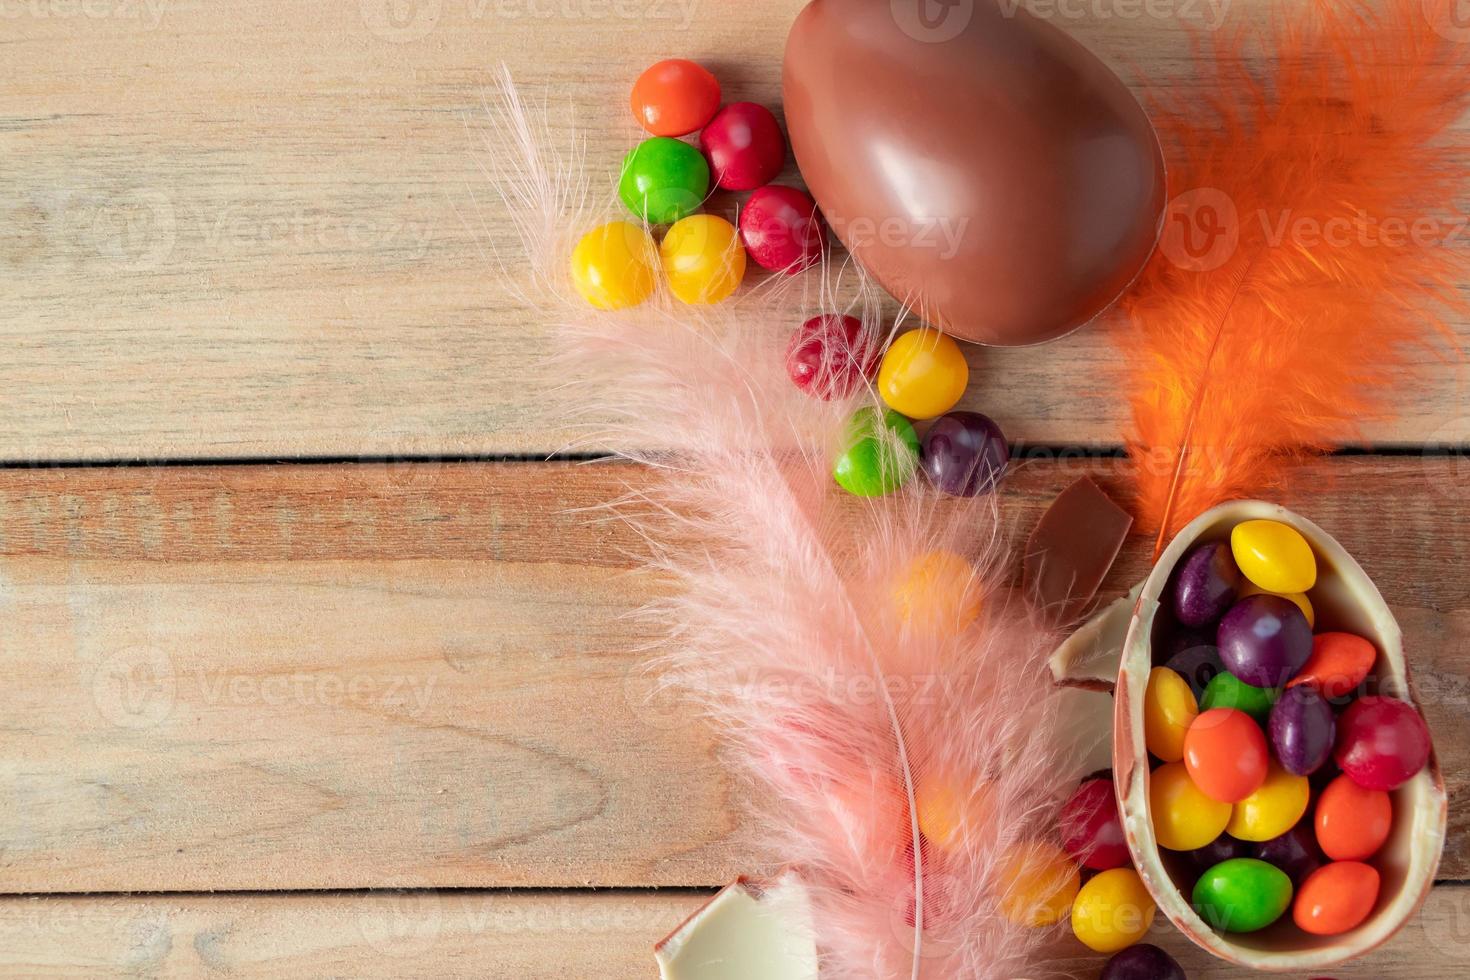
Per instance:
(781,229)
(675,97)
(830,356)
(1381,742)
(744,146)
(1338,664)
(1092,831)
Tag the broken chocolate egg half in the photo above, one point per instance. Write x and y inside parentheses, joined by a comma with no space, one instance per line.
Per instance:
(1345,599)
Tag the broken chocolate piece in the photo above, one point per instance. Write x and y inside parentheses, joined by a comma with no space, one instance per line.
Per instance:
(1070,551)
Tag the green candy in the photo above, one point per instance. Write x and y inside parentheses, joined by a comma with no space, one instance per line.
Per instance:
(663,180)
(880,456)
(1242,895)
(1225,690)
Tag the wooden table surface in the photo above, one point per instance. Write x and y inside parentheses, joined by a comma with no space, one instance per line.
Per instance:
(310,670)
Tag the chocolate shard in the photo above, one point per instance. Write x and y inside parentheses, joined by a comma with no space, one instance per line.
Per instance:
(1070,551)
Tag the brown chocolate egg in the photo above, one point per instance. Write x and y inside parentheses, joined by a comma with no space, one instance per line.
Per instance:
(978,162)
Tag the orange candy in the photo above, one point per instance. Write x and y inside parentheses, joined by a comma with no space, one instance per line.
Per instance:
(1225,753)
(675,97)
(1338,664)
(1336,898)
(1352,822)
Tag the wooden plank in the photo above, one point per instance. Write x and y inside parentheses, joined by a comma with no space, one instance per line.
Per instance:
(350,676)
(529,936)
(260,229)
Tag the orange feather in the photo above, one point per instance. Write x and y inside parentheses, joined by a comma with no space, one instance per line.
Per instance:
(1309,250)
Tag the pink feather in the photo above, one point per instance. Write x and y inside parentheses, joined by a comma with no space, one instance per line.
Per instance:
(783,625)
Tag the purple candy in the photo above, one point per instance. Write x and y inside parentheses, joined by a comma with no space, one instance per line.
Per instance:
(1294,852)
(1198,665)
(965,454)
(1222,848)
(1205,585)
(1142,962)
(1264,640)
(1302,729)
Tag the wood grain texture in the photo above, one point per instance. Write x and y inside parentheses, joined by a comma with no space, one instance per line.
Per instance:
(369,676)
(528,936)
(244,230)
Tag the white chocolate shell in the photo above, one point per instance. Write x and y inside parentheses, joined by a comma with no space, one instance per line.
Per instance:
(750,929)
(1344,599)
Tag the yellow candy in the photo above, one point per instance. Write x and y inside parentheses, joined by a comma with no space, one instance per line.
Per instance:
(1274,556)
(1038,884)
(948,808)
(923,374)
(1113,911)
(938,592)
(1184,817)
(1300,598)
(612,266)
(1169,708)
(1273,809)
(703,258)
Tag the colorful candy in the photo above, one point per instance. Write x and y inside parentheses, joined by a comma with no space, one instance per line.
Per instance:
(1092,830)
(613,265)
(1205,585)
(1225,754)
(781,229)
(938,593)
(1382,743)
(1242,895)
(1228,691)
(1338,664)
(1169,709)
(675,97)
(744,145)
(1184,817)
(1264,640)
(1273,809)
(1274,556)
(1197,662)
(1303,730)
(1294,852)
(1112,911)
(1336,898)
(964,454)
(830,356)
(1038,884)
(949,808)
(1222,848)
(882,452)
(702,258)
(1352,822)
(1142,962)
(923,374)
(663,180)
(1299,599)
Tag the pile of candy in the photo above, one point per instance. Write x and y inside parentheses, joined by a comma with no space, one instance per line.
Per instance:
(1251,720)
(665,181)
